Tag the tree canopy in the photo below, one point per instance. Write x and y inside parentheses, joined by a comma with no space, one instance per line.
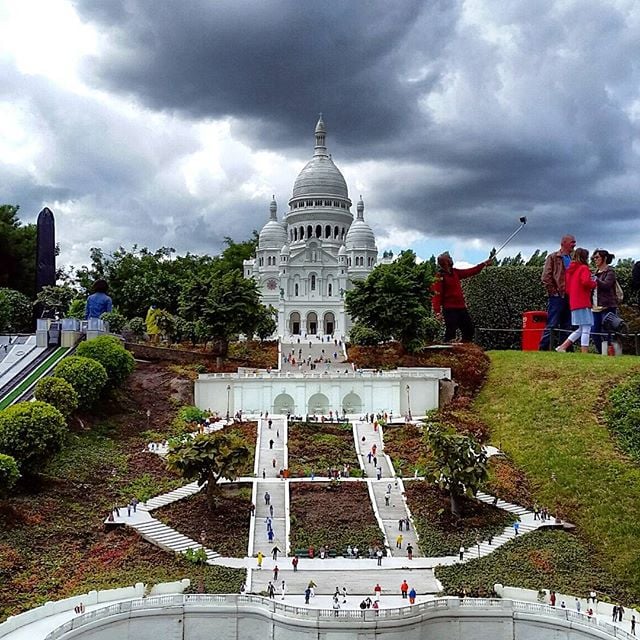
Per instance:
(394,301)
(209,457)
(17,252)
(458,463)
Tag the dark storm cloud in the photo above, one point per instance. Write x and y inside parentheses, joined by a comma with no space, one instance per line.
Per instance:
(273,65)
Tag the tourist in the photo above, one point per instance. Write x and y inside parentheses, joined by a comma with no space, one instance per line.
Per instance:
(356,552)
(363,605)
(536,511)
(336,607)
(312,588)
(461,553)
(283,589)
(271,443)
(593,596)
(307,595)
(412,596)
(605,299)
(400,524)
(98,302)
(376,606)
(270,536)
(407,524)
(614,613)
(552,598)
(399,541)
(271,510)
(620,612)
(377,590)
(267,497)
(344,595)
(271,590)
(260,558)
(387,498)
(553,279)
(379,473)
(274,552)
(275,573)
(404,589)
(633,624)
(516,527)
(379,557)
(580,284)
(577,605)
(294,562)
(409,552)
(448,299)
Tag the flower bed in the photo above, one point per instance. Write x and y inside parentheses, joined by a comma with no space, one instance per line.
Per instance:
(316,447)
(333,515)
(226,528)
(405,446)
(508,482)
(440,532)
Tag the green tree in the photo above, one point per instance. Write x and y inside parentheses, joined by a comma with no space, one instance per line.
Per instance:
(9,474)
(58,393)
(136,327)
(228,306)
(457,463)
(207,458)
(17,252)
(16,312)
(86,375)
(394,301)
(266,323)
(31,432)
(110,353)
(76,309)
(57,299)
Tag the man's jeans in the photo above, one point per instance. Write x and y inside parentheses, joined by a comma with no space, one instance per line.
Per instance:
(558,317)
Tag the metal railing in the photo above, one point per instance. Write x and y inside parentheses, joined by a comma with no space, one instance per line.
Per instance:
(269,606)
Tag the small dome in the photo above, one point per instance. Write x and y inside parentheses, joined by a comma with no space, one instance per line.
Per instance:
(273,234)
(360,235)
(285,251)
(342,251)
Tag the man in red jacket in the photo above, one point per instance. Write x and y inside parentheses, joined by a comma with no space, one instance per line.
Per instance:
(448,299)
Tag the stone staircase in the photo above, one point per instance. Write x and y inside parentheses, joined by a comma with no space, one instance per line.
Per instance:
(177,494)
(167,538)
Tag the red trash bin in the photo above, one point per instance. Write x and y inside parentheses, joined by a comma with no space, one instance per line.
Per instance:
(533,324)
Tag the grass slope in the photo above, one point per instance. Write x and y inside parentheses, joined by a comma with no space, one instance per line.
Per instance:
(544,410)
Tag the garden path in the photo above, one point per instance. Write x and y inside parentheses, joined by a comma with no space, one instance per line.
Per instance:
(317,351)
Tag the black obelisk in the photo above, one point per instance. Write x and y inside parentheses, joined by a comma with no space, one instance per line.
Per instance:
(45,250)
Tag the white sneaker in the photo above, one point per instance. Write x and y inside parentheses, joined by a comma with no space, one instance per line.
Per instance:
(561,350)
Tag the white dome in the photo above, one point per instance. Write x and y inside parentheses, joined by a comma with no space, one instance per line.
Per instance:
(273,234)
(320,177)
(360,235)
(342,251)
(285,251)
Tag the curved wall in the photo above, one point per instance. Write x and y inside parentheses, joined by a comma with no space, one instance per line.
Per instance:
(248,617)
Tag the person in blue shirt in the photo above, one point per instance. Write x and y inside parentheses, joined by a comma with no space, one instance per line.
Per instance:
(98,302)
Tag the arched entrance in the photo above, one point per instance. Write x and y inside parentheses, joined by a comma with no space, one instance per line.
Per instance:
(312,323)
(352,403)
(283,403)
(318,403)
(294,323)
(329,323)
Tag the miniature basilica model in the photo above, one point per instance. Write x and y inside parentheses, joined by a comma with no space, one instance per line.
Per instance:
(304,264)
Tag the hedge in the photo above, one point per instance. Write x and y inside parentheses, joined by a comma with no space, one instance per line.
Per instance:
(110,353)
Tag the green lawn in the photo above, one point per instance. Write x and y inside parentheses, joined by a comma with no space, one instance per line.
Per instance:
(545,411)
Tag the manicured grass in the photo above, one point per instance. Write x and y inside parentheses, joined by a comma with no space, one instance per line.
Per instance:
(540,560)
(31,379)
(545,411)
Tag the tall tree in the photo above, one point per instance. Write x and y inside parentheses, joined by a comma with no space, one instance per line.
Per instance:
(208,458)
(394,301)
(458,463)
(17,252)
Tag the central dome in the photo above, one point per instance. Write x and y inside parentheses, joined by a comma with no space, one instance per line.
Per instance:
(320,177)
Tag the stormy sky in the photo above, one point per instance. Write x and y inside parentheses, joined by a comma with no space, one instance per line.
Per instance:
(165,122)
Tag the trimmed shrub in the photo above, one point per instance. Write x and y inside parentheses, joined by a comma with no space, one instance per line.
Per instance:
(57,392)
(115,319)
(86,375)
(9,473)
(31,432)
(16,311)
(497,297)
(110,353)
(136,327)
(623,415)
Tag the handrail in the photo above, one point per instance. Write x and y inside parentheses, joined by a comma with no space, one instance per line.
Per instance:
(270,606)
